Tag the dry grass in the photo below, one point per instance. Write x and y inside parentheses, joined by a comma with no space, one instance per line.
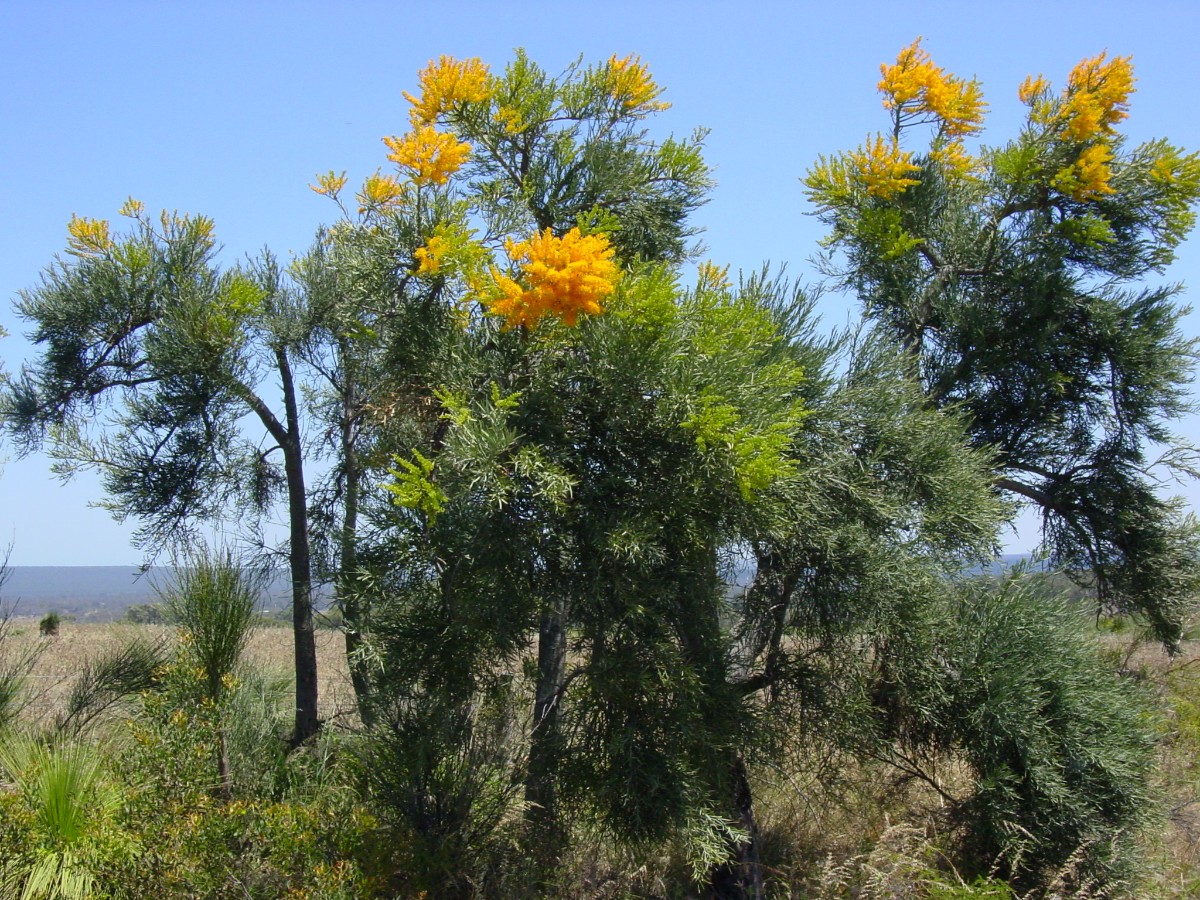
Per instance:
(61,658)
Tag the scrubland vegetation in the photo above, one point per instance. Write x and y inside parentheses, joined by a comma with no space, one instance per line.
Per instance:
(530,447)
(130,801)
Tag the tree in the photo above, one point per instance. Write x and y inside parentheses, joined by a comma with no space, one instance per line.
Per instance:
(488,157)
(553,163)
(145,325)
(1021,282)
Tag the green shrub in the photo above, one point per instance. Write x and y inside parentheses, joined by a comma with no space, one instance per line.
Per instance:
(1062,747)
(66,808)
(292,827)
(49,624)
(445,781)
(116,674)
(213,600)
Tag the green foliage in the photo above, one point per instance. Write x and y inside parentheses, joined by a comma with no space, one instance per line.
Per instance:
(445,782)
(151,359)
(69,805)
(288,824)
(119,673)
(213,598)
(1021,284)
(580,151)
(1060,747)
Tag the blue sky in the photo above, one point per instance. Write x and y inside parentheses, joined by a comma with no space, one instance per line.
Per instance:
(230,110)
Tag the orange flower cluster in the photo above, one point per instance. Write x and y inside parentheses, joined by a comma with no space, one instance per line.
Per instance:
(430,156)
(447,83)
(916,87)
(1097,96)
(564,276)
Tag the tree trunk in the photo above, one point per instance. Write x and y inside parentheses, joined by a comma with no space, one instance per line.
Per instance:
(300,563)
(226,785)
(540,785)
(348,603)
(740,878)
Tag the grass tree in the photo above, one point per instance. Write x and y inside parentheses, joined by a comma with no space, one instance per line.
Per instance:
(71,804)
(214,598)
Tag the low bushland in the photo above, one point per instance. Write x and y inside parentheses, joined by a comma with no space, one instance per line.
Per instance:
(120,792)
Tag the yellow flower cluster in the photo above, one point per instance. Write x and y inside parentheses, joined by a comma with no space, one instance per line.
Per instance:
(1088,178)
(447,83)
(1097,96)
(329,184)
(430,155)
(510,118)
(883,168)
(914,86)
(564,276)
(1163,170)
(429,257)
(87,237)
(630,84)
(713,277)
(379,192)
(1095,99)
(132,208)
(1033,90)
(955,160)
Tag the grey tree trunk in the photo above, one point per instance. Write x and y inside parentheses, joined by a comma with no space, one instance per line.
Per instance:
(540,784)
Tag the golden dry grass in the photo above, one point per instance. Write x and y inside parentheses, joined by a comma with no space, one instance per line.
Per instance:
(60,659)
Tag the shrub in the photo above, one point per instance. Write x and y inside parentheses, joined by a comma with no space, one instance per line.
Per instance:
(68,806)
(445,780)
(116,674)
(288,831)
(1060,746)
(213,600)
(49,624)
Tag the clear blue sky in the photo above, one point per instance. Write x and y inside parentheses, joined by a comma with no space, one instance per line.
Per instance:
(230,109)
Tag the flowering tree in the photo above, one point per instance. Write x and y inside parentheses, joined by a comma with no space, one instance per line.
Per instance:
(497,188)
(517,203)
(1016,278)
